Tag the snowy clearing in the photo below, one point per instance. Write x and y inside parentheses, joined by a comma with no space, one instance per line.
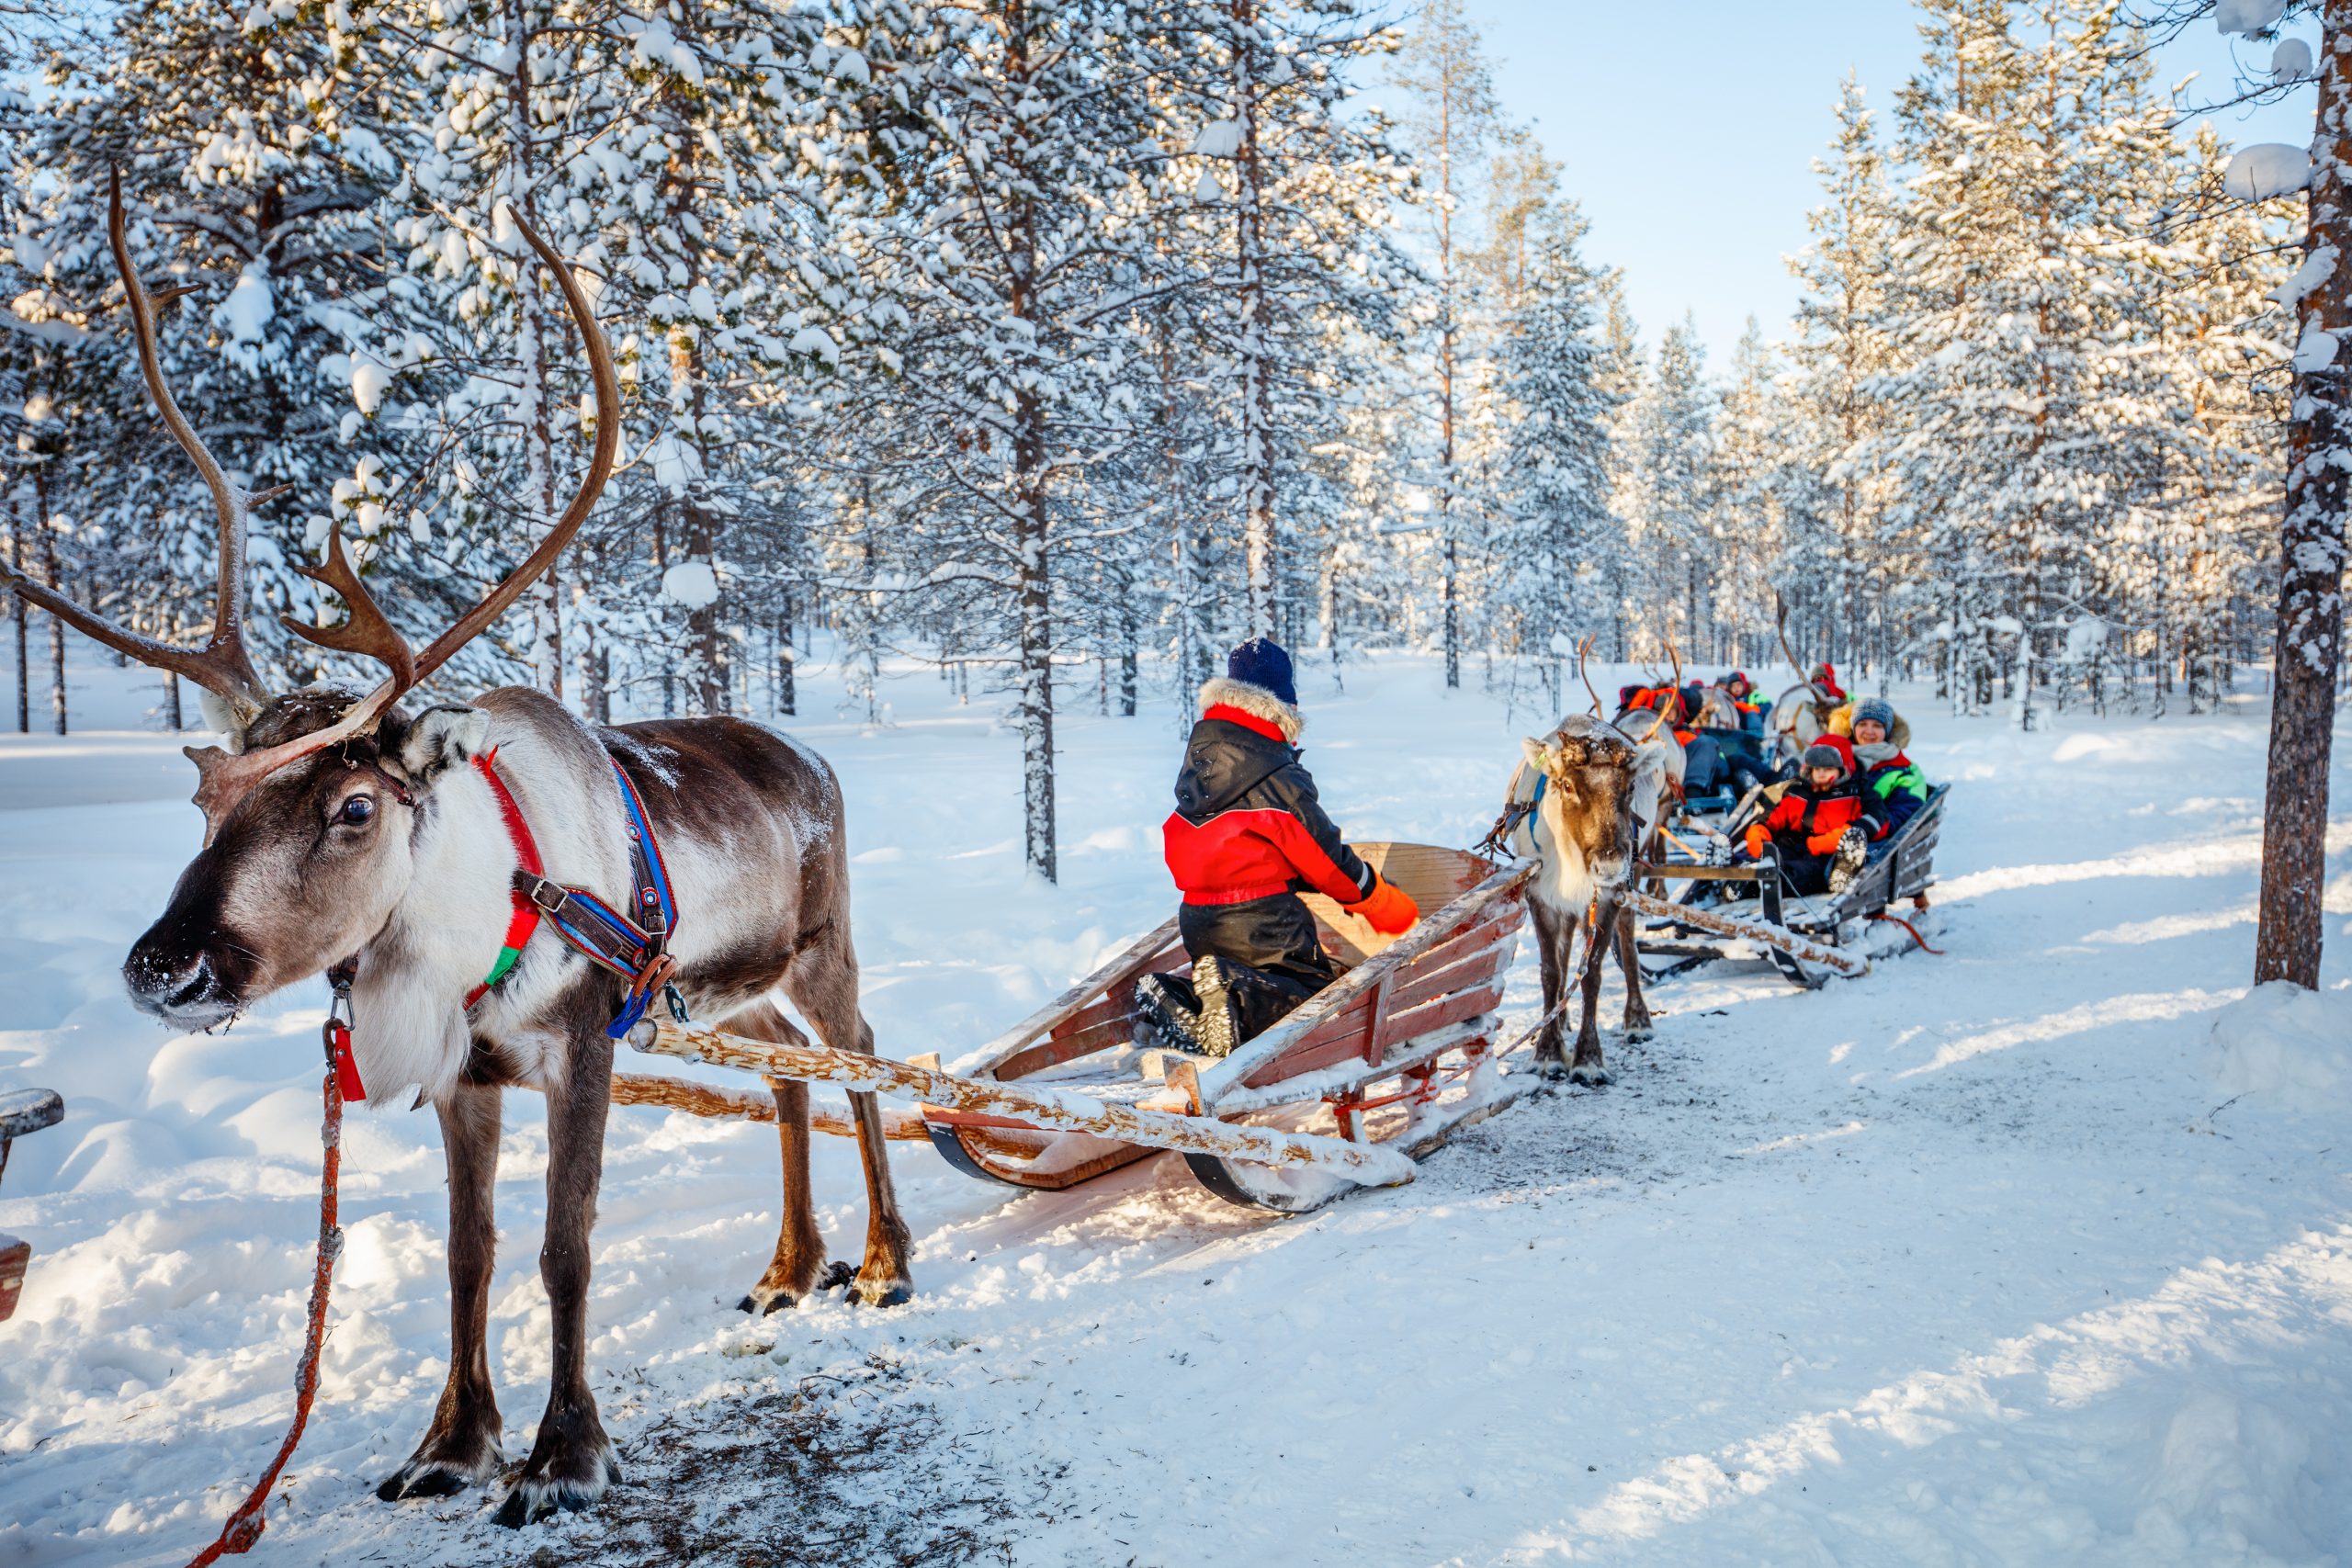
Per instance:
(1975,1260)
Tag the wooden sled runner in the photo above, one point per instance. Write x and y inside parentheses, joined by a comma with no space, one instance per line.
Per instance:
(1400,1053)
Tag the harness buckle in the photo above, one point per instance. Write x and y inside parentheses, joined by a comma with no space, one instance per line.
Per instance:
(546,906)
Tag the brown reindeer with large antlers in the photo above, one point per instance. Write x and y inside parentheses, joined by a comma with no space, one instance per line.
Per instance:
(340,825)
(1597,814)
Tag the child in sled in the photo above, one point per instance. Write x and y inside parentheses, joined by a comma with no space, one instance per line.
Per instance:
(1246,837)
(1823,827)
(1893,782)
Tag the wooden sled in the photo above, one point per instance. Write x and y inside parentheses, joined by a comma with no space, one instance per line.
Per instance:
(22,1111)
(1816,927)
(1398,1052)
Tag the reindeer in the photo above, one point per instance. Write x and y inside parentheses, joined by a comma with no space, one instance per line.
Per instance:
(1599,813)
(338,824)
(1798,724)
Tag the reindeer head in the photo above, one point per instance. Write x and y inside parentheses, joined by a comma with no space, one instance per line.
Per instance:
(1588,772)
(310,813)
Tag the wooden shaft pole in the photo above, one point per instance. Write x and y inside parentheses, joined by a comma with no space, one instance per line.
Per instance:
(750,1105)
(1720,924)
(1367,1163)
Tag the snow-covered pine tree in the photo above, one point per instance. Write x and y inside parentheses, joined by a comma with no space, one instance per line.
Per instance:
(1613,570)
(2223,341)
(252,167)
(1014,244)
(1674,437)
(1839,555)
(1455,116)
(1747,520)
(1301,227)
(1555,482)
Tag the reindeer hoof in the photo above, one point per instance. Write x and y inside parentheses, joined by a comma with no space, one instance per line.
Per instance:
(445,1468)
(534,1498)
(768,1297)
(1552,1069)
(881,1292)
(433,1480)
(1591,1075)
(1637,1032)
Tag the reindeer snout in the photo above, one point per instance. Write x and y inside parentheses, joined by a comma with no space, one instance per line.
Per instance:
(187,990)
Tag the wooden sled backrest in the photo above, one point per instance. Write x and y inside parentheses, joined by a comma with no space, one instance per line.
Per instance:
(1432,877)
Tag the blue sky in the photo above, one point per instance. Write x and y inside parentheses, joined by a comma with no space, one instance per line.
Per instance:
(1687,130)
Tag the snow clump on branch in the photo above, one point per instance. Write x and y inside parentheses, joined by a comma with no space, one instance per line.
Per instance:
(2267,169)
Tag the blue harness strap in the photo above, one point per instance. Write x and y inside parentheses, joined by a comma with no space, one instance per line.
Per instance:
(632,945)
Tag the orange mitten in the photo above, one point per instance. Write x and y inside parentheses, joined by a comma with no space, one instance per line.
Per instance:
(1758,836)
(1388,909)
(1825,843)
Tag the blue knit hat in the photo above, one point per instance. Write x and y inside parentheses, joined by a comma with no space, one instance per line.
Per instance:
(1260,661)
(1877,709)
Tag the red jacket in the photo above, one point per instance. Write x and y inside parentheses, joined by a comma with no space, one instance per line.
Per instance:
(1811,818)
(1246,824)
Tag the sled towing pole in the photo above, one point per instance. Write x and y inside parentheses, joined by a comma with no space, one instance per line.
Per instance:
(1371,1164)
(1788,942)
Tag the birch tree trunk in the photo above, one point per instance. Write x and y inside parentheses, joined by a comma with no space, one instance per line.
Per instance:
(1034,583)
(1257,338)
(20,558)
(52,574)
(2310,575)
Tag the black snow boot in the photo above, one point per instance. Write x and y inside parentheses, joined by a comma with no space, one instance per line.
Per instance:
(1853,851)
(1171,1018)
(1218,1026)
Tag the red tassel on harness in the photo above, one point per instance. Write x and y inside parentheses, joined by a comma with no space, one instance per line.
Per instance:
(339,1056)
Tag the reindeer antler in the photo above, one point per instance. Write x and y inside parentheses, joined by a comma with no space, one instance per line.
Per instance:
(1583,649)
(1677,699)
(369,632)
(220,666)
(225,778)
(1781,626)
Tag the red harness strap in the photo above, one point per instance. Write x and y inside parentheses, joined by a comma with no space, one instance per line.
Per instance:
(526,916)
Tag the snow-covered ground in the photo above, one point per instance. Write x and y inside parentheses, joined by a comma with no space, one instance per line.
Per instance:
(2002,1257)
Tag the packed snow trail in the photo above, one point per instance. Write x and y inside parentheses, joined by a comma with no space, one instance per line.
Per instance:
(1975,1260)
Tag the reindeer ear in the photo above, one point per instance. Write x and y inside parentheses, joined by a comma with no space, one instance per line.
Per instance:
(1534,753)
(442,739)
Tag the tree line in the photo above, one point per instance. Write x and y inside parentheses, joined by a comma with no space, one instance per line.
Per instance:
(1063,342)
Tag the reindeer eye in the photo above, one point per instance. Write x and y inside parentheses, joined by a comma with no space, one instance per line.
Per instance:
(359,811)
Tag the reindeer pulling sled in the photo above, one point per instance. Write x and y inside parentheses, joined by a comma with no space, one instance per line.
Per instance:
(1808,938)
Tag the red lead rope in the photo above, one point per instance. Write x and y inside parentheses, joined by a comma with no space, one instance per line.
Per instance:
(243,1527)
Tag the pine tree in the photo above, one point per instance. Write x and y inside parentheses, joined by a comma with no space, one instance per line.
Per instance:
(1456,117)
(1674,439)
(1840,552)
(1556,479)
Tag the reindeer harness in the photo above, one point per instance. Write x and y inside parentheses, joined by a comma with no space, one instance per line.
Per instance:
(634,946)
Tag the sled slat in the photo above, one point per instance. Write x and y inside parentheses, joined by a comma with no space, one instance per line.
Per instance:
(1247,1065)
(1137,958)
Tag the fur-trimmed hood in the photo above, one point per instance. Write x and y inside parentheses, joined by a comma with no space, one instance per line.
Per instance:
(1257,702)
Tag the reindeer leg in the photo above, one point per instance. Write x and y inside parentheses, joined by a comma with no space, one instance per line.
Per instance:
(823,983)
(799,1267)
(460,1449)
(571,1461)
(1586,1068)
(1629,959)
(1555,940)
